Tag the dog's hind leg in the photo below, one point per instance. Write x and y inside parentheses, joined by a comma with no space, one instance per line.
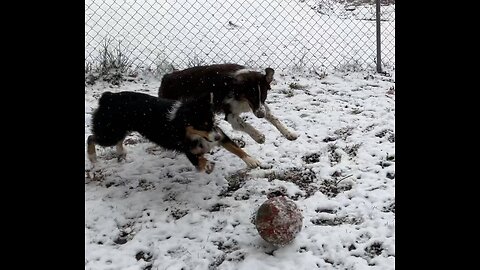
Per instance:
(281,127)
(91,152)
(121,153)
(228,144)
(239,124)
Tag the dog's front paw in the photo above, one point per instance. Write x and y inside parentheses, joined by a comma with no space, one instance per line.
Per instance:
(239,142)
(204,165)
(291,136)
(209,167)
(251,162)
(260,138)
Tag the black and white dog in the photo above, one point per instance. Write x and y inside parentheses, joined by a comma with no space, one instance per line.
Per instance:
(235,88)
(186,127)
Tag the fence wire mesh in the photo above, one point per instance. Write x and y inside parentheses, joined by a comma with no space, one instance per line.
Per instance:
(148,34)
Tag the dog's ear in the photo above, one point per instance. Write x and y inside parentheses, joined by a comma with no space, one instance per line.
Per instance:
(269,74)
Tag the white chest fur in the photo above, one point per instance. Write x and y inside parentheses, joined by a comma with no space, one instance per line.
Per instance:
(237,106)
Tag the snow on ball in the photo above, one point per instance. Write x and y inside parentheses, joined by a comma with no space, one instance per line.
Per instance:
(278,220)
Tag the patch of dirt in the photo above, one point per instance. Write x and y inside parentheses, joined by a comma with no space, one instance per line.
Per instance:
(390,175)
(227,247)
(311,158)
(145,185)
(235,182)
(389,208)
(122,238)
(325,210)
(304,178)
(287,92)
(219,226)
(333,155)
(391,138)
(390,158)
(344,132)
(356,111)
(217,262)
(278,191)
(388,133)
(236,256)
(177,252)
(374,249)
(171,196)
(329,139)
(178,213)
(297,86)
(217,207)
(146,256)
(332,187)
(95,175)
(127,233)
(369,128)
(336,221)
(391,91)
(384,164)
(352,149)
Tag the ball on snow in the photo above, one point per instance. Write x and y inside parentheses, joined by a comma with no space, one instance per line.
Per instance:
(278,220)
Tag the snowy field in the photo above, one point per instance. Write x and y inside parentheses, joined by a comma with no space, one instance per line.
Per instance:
(153,211)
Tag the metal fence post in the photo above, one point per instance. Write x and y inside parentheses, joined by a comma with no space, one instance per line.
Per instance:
(163,38)
(379,50)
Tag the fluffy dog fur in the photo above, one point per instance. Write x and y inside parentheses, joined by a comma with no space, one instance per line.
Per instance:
(186,127)
(235,88)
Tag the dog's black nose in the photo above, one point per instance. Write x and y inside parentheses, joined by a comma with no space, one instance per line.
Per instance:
(218,137)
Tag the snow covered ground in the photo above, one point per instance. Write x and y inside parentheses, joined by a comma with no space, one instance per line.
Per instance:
(154,211)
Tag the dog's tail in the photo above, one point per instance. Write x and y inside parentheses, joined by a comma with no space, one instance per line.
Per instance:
(106,96)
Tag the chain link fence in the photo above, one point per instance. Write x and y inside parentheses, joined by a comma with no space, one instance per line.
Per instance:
(158,34)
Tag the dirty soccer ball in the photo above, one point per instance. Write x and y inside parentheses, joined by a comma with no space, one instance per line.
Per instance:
(278,220)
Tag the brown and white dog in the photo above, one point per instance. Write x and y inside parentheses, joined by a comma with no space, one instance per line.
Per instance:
(235,89)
